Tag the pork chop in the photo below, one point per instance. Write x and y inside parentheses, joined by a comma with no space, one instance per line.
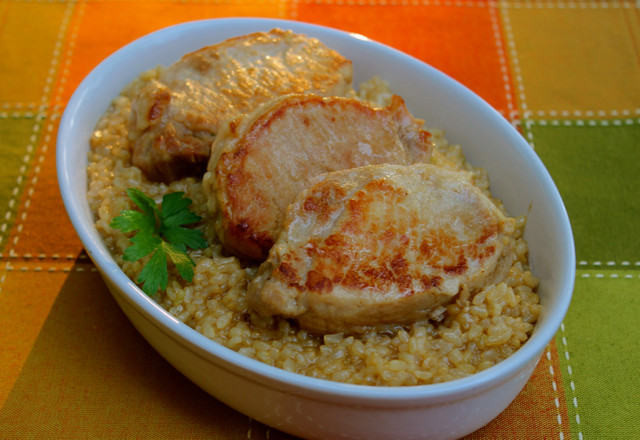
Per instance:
(382,245)
(260,163)
(176,116)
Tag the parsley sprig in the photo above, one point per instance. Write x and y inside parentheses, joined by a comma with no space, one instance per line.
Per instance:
(160,233)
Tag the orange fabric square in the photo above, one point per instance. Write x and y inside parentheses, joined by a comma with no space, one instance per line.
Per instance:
(539,411)
(461,41)
(100,28)
(27,291)
(42,226)
(576,60)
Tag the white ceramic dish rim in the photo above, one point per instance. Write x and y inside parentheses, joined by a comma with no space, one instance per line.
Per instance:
(254,370)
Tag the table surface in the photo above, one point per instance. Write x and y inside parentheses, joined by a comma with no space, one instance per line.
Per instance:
(565,73)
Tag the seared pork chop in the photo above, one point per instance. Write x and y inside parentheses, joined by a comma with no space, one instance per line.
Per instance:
(260,163)
(176,116)
(382,245)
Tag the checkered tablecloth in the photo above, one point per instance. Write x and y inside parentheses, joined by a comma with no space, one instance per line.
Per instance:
(565,73)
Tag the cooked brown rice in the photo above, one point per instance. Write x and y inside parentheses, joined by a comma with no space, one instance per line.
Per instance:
(475,332)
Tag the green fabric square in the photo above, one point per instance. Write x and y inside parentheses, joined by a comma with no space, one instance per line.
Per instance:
(16,138)
(599,350)
(597,170)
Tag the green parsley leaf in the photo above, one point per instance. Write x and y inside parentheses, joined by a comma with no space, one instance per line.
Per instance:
(180,259)
(174,215)
(154,274)
(130,221)
(161,234)
(143,201)
(144,243)
(174,210)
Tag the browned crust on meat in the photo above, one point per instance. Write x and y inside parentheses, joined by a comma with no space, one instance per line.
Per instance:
(399,264)
(440,250)
(249,218)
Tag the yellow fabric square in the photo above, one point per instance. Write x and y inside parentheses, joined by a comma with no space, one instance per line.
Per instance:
(576,59)
(27,42)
